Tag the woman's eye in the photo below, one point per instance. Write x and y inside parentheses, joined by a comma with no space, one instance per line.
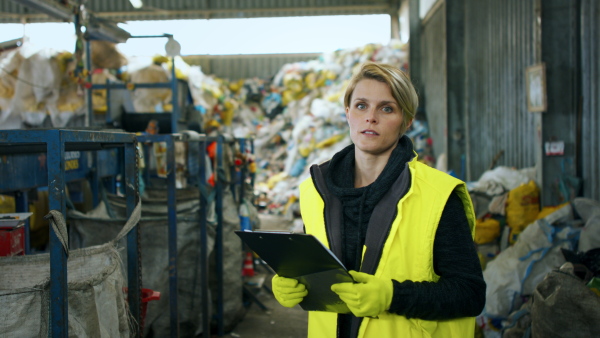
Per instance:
(361,106)
(388,109)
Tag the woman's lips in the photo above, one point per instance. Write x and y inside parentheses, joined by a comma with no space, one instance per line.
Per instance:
(369,132)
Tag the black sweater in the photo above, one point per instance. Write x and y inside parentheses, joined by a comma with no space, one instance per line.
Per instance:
(460,291)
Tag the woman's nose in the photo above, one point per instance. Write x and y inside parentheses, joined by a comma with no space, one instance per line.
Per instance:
(371,117)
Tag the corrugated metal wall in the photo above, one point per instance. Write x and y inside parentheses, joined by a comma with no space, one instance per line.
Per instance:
(235,67)
(433,74)
(590,66)
(499,45)
(121,10)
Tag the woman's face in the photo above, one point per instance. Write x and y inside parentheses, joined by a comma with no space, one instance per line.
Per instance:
(374,117)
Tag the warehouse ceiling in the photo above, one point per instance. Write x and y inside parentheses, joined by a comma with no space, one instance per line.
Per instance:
(23,11)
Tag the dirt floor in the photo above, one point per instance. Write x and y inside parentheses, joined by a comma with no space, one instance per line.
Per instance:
(276,321)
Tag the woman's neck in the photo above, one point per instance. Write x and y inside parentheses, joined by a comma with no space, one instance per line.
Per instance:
(368,167)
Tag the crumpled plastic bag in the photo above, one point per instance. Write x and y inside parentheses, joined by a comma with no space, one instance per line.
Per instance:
(589,211)
(45,88)
(518,269)
(501,179)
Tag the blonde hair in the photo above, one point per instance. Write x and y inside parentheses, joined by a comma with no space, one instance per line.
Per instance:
(400,85)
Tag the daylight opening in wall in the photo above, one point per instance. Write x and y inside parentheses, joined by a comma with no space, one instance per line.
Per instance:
(317,34)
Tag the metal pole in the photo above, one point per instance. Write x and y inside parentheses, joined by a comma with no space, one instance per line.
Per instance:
(88,65)
(252,175)
(174,99)
(233,177)
(171,196)
(108,114)
(133,237)
(244,169)
(219,236)
(58,256)
(22,205)
(95,180)
(203,240)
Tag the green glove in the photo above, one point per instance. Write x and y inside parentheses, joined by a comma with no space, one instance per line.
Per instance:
(288,291)
(368,297)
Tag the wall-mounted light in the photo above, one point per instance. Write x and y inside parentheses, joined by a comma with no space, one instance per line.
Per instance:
(102,29)
(10,44)
(173,48)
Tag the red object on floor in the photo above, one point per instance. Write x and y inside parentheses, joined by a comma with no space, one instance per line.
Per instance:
(147,295)
(248,269)
(212,150)
(12,241)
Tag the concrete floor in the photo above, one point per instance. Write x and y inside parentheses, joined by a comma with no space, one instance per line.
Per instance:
(276,321)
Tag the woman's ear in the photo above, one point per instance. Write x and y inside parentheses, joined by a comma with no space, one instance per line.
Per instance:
(408,124)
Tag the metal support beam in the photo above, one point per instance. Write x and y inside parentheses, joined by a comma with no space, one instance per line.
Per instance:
(134,278)
(203,239)
(51,8)
(414,62)
(174,99)
(58,256)
(395,19)
(22,205)
(455,68)
(561,54)
(219,235)
(171,201)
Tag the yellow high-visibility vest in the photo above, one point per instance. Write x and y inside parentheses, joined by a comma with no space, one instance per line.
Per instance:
(405,252)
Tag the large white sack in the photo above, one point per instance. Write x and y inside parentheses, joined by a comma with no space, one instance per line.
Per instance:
(517,270)
(501,179)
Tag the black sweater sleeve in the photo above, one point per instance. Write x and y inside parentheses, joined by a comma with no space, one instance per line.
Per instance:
(460,291)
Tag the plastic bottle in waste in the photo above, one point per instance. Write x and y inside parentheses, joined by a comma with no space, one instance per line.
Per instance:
(244,217)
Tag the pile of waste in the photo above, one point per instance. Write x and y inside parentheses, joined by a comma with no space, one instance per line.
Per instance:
(39,83)
(297,119)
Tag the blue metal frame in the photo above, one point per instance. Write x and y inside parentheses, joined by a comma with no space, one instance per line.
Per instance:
(244,171)
(203,238)
(219,186)
(108,86)
(169,139)
(219,235)
(201,183)
(54,143)
(22,205)
(37,176)
(219,231)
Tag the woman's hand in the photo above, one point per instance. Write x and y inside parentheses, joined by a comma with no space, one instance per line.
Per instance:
(288,291)
(368,297)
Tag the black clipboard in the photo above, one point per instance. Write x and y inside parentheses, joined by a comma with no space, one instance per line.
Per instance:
(304,258)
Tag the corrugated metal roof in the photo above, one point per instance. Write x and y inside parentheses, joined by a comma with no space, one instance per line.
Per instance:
(121,10)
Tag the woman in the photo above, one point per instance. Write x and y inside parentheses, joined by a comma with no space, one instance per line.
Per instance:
(402,228)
